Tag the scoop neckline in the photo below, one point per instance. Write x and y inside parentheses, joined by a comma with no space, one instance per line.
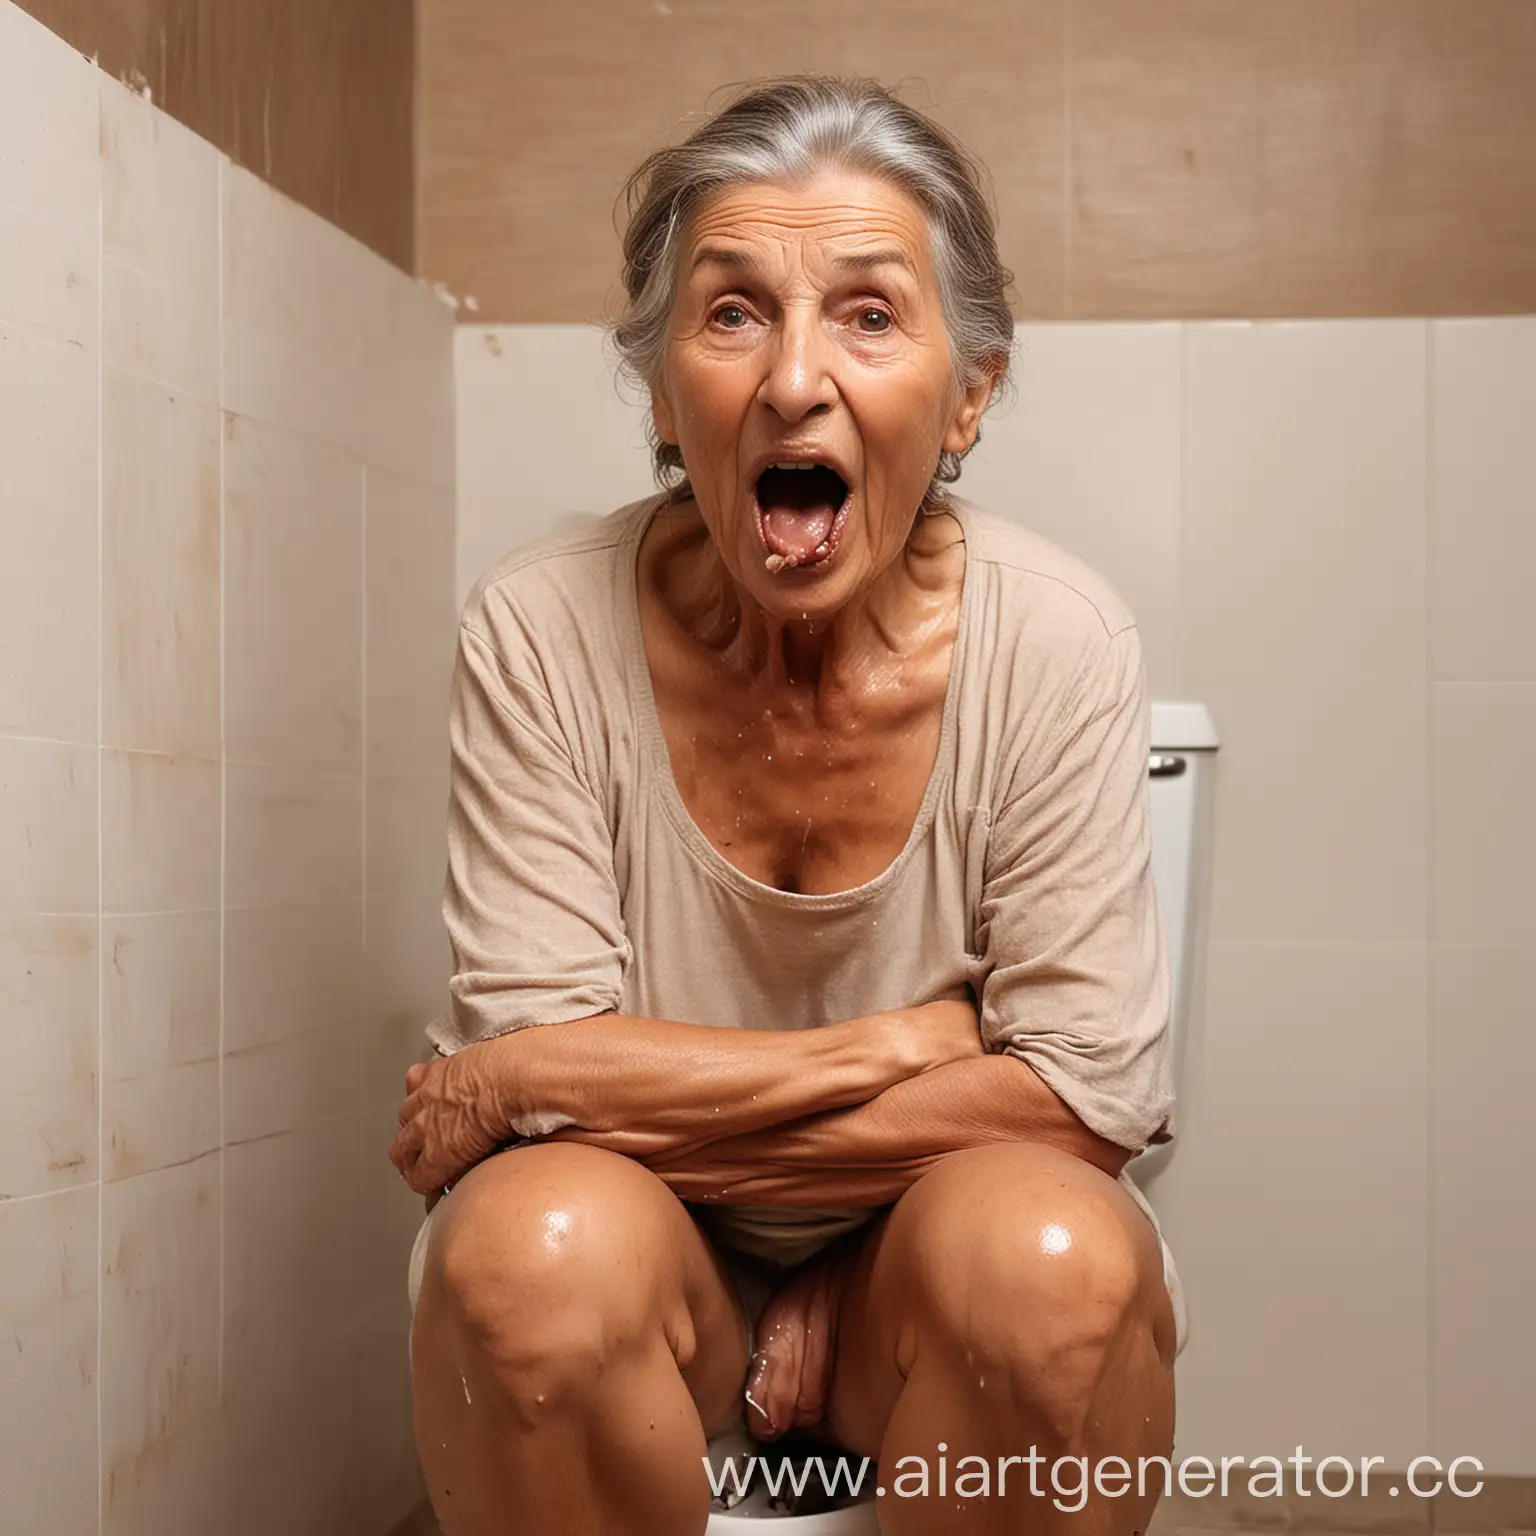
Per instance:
(659,761)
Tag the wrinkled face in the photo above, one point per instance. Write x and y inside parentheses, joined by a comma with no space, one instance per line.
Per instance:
(809,383)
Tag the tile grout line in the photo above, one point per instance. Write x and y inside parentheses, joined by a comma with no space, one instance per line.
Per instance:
(1067,48)
(1431,1353)
(223,762)
(1180,478)
(362,863)
(101,1029)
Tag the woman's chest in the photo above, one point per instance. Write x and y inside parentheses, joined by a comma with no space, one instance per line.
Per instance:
(800,800)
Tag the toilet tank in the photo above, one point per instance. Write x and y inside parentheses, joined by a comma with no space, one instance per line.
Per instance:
(1181,773)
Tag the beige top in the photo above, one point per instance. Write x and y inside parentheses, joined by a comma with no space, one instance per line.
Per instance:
(578,883)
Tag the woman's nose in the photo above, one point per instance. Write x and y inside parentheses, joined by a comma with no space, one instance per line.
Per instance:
(799,379)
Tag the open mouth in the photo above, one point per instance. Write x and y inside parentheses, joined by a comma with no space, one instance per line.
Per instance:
(801,510)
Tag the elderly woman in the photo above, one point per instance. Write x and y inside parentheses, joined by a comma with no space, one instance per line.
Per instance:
(802,809)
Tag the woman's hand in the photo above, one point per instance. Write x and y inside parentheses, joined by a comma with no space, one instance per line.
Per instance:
(450,1120)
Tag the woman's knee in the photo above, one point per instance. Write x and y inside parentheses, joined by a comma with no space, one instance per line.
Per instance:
(548,1264)
(1031,1264)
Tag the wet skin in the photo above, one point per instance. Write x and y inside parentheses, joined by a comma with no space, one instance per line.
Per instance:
(576,1338)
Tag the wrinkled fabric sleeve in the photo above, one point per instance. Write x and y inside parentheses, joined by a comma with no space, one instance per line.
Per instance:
(531,904)
(1076,981)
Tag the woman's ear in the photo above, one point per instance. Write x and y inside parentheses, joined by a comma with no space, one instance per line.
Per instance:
(661,415)
(969,409)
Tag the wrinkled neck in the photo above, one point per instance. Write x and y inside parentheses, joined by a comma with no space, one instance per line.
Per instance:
(852,650)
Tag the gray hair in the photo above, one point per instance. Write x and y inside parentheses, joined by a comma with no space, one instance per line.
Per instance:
(785,131)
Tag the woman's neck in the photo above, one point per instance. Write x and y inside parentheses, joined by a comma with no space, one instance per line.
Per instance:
(860,647)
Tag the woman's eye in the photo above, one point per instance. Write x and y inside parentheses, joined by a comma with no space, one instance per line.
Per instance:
(874,321)
(731,316)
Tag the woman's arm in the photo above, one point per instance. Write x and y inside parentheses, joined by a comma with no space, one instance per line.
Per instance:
(647,1087)
(871,1153)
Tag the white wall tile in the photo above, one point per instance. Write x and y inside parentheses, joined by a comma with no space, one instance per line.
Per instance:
(48,1444)
(322,337)
(176,1485)
(160,1306)
(160,837)
(1321,808)
(1483,1245)
(160,1040)
(1483,818)
(296,316)
(1303,621)
(293,598)
(407,837)
(49,128)
(406,985)
(293,1017)
(411,624)
(391,1476)
(392,1214)
(160,569)
(1484,519)
(293,837)
(47,827)
(1087,455)
(1305,502)
(1296,1205)
(49,283)
(112,223)
(48,1088)
(544,431)
(303,1420)
(291,1258)
(160,239)
(409,422)
(48,578)
(408,960)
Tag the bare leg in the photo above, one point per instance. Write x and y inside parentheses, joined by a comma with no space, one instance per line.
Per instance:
(1014,1298)
(575,1340)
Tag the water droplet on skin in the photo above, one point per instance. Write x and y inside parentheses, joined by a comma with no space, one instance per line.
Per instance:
(1055,1239)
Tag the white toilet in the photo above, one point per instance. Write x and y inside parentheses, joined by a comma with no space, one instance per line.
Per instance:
(1181,768)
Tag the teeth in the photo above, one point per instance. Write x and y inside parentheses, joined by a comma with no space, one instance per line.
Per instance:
(794,466)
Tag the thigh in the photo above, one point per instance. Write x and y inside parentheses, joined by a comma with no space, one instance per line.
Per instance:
(570,1243)
(975,1258)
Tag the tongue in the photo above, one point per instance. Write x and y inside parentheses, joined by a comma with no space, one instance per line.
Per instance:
(797,532)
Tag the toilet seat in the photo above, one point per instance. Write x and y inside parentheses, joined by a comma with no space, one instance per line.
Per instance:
(752,1516)
(857,1520)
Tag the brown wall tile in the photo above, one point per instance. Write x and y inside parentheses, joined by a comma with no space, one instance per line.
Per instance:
(1190,158)
(376,195)
(1311,157)
(1164,218)
(315,96)
(533,115)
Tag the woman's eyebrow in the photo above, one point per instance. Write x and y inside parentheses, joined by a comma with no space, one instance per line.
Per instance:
(853,262)
(722,256)
(867,261)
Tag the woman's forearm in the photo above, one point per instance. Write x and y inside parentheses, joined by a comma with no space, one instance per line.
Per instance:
(649,1087)
(871,1153)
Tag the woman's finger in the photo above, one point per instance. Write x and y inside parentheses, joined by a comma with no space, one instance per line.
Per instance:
(414,1076)
(406,1147)
(408,1107)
